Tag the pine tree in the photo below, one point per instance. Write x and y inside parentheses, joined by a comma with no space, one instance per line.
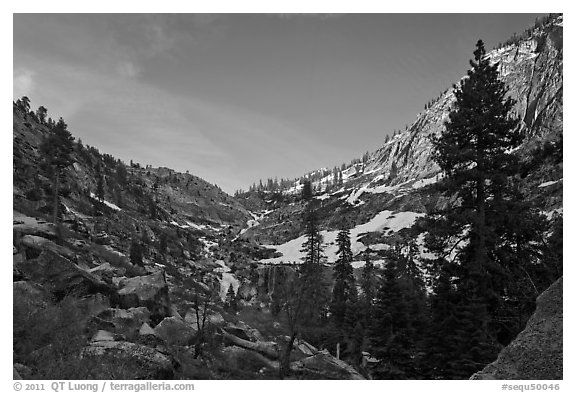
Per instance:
(390,319)
(399,321)
(441,358)
(56,152)
(99,183)
(474,152)
(307,190)
(41,114)
(24,104)
(314,288)
(136,253)
(344,293)
(368,285)
(230,300)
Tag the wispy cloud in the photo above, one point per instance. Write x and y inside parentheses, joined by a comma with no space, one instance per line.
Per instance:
(128,69)
(23,82)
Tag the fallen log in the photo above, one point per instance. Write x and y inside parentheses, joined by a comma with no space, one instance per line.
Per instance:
(267,348)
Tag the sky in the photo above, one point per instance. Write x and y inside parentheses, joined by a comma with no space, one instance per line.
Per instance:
(235,98)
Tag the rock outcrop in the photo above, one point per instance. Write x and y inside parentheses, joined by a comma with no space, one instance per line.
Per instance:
(175,331)
(537,351)
(326,366)
(147,362)
(40,244)
(149,291)
(124,322)
(60,276)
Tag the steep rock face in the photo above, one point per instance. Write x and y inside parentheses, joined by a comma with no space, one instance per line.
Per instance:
(531,69)
(537,351)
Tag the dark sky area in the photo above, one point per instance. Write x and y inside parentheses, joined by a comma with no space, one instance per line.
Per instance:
(236,98)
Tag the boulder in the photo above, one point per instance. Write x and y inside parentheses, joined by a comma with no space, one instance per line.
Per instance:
(60,276)
(304,347)
(216,319)
(40,244)
(149,291)
(537,351)
(146,330)
(104,335)
(94,304)
(244,331)
(144,362)
(174,331)
(325,366)
(247,361)
(125,322)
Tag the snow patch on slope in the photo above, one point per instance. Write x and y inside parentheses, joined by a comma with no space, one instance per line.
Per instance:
(385,220)
(109,204)
(549,183)
(353,198)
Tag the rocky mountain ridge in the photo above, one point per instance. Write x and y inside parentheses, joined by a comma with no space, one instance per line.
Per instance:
(400,176)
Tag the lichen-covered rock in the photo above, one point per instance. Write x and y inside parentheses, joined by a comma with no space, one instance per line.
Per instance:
(537,351)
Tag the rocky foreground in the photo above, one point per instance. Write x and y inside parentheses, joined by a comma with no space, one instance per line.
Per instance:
(118,321)
(537,352)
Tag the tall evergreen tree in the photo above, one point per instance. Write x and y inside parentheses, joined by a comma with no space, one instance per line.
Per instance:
(494,255)
(474,149)
(344,293)
(313,286)
(441,357)
(368,279)
(389,322)
(56,152)
(307,190)
(99,183)
(136,253)
(41,114)
(230,301)
(399,320)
